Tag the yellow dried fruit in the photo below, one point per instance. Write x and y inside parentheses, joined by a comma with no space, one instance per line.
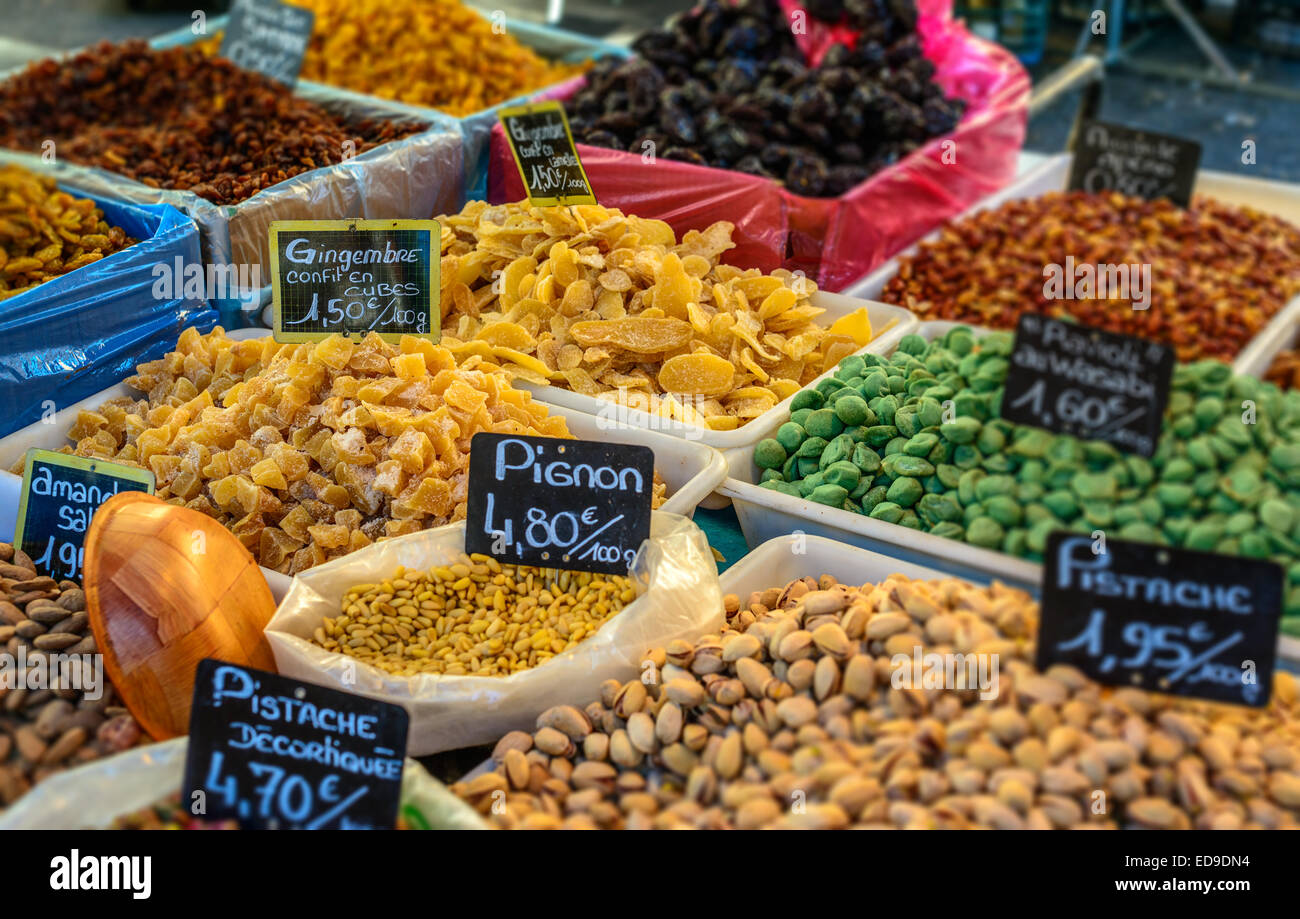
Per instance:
(607,299)
(696,375)
(307,452)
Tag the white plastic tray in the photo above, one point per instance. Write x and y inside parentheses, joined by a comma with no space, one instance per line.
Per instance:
(765,514)
(692,470)
(778,561)
(1278,198)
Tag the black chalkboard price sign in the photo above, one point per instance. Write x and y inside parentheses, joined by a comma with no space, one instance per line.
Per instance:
(354,277)
(60,494)
(276,753)
(557,503)
(269,37)
(548,161)
(1077,380)
(1112,157)
(1165,620)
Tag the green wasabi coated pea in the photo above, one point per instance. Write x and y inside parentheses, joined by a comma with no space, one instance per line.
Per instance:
(866,459)
(828,386)
(1175,496)
(992,485)
(873,498)
(900,464)
(1142,532)
(852,409)
(851,366)
(874,384)
(915,439)
(986,532)
(785,488)
(1285,456)
(949,530)
(904,492)
(823,423)
(885,407)
(912,344)
(1241,522)
(1061,503)
(960,431)
(920,444)
(1004,509)
(790,436)
(806,398)
(769,454)
(886,511)
(935,508)
(832,495)
(844,474)
(1277,514)
(990,440)
(880,434)
(839,449)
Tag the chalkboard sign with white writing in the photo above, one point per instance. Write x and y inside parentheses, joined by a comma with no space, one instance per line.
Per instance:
(1161,619)
(60,494)
(1112,157)
(1073,379)
(276,753)
(269,37)
(574,504)
(548,161)
(353,277)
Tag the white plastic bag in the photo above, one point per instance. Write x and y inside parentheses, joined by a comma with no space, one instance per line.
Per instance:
(447,712)
(93,796)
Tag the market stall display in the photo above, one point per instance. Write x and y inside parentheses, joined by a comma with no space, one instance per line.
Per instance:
(156,119)
(1218,481)
(308,452)
(614,307)
(51,718)
(441,54)
(777,103)
(672,591)
(802,699)
(231,149)
(1217,273)
(727,86)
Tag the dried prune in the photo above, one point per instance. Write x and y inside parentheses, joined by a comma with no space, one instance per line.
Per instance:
(726,85)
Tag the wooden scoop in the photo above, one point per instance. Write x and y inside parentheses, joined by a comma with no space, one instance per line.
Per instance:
(166,587)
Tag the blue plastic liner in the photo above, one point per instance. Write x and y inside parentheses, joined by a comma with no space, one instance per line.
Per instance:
(85,331)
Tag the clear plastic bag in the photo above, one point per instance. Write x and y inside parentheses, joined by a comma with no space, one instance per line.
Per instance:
(449,712)
(94,795)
